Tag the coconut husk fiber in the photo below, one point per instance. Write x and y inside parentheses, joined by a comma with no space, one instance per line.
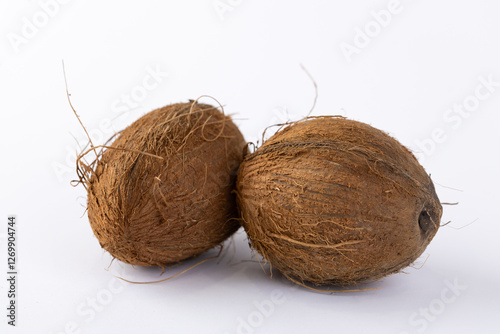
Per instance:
(163,191)
(333,201)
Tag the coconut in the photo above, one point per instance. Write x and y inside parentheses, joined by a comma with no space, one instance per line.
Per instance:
(163,191)
(333,201)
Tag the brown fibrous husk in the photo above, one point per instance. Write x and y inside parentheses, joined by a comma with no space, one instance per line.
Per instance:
(163,191)
(333,201)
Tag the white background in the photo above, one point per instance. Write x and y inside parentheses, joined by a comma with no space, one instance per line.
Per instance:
(409,77)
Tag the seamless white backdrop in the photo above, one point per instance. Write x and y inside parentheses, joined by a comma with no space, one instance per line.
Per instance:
(427,72)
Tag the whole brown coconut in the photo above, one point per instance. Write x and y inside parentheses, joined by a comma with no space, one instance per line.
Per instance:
(329,200)
(163,192)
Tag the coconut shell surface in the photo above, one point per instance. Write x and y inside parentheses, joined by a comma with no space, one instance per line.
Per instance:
(329,200)
(163,191)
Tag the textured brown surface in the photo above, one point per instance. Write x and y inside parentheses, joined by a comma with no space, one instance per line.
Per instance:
(334,201)
(150,211)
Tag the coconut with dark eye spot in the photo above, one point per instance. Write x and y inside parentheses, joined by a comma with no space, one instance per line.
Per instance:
(163,191)
(328,200)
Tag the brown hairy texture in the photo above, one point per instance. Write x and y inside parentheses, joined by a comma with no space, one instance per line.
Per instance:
(329,200)
(163,191)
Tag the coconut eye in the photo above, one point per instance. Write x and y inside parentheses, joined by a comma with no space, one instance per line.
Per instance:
(425,221)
